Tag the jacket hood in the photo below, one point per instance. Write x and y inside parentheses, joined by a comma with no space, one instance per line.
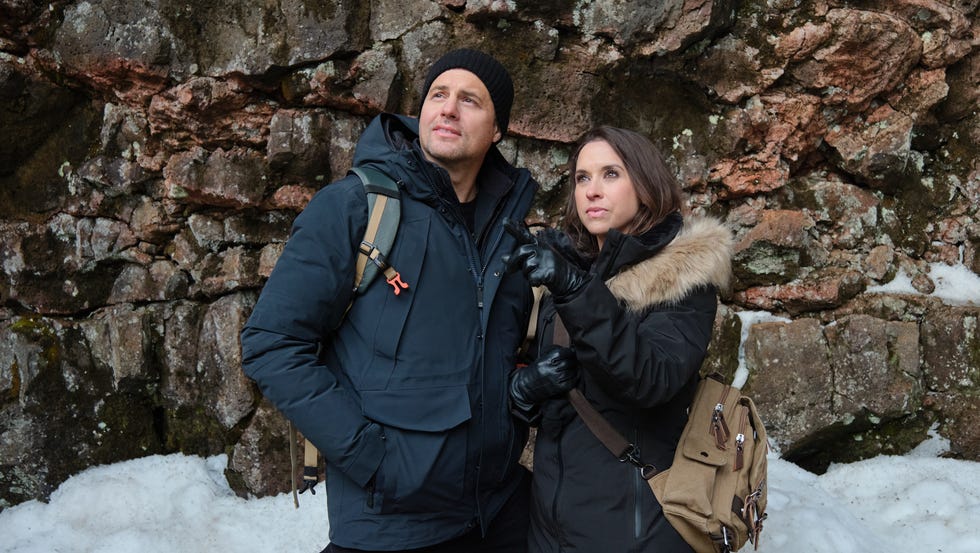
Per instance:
(390,144)
(386,137)
(699,255)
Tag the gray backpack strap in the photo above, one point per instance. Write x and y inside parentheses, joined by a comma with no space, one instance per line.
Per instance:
(384,213)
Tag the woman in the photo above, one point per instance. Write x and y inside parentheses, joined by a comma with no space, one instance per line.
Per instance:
(635,285)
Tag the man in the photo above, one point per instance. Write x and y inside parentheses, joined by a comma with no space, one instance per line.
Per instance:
(406,395)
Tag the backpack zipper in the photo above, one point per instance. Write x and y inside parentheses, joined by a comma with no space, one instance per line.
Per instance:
(719,428)
(740,439)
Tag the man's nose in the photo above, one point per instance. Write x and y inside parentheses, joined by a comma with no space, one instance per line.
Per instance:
(449,108)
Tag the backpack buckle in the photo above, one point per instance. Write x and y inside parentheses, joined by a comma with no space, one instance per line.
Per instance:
(396,282)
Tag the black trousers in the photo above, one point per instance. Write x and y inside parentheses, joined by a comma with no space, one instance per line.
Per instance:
(507,532)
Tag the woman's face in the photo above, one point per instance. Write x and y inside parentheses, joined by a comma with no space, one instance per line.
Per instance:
(604,194)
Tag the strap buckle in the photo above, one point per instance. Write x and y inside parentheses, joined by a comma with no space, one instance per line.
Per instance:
(374,255)
(378,259)
(396,283)
(632,456)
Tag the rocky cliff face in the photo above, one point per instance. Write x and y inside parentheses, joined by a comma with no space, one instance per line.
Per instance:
(154,153)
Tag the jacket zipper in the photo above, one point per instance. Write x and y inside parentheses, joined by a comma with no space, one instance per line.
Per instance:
(637,490)
(472,254)
(558,486)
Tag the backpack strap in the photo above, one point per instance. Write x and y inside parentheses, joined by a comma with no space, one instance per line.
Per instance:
(384,214)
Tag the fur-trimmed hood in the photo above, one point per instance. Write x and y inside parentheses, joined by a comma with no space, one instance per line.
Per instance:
(699,255)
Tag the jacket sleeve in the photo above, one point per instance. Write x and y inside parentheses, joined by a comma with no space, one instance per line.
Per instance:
(305,297)
(644,359)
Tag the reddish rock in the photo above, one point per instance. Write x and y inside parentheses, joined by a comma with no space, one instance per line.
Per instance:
(209,111)
(800,42)
(733,55)
(753,174)
(866,54)
(875,148)
(794,125)
(781,227)
(571,85)
(292,197)
(815,293)
(878,263)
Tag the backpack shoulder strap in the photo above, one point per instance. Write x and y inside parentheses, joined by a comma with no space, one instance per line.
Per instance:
(384,214)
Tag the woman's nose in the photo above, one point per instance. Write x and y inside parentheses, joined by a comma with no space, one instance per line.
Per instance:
(593,190)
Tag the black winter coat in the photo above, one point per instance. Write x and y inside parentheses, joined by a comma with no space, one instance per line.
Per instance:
(640,329)
(407,398)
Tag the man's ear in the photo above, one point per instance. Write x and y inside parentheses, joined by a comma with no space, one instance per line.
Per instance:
(497,135)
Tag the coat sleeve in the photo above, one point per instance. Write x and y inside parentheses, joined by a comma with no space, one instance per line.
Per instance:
(644,359)
(305,297)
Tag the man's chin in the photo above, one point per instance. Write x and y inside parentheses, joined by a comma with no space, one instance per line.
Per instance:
(442,156)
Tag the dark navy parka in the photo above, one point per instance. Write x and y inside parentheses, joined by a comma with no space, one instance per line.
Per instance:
(406,394)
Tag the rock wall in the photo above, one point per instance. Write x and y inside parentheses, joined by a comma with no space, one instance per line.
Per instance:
(154,153)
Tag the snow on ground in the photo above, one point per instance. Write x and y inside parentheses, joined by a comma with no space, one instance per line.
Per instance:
(164,504)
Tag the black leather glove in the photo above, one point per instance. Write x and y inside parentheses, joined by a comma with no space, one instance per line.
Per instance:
(553,373)
(541,264)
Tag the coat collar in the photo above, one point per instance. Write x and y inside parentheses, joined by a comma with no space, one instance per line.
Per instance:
(698,256)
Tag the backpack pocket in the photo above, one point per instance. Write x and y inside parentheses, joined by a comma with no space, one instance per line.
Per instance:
(705,491)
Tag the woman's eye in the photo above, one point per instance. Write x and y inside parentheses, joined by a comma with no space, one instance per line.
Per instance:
(612,174)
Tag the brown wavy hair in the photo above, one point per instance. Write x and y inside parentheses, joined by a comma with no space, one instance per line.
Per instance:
(656,187)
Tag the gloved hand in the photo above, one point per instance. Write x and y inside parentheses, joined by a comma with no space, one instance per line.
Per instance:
(553,373)
(541,264)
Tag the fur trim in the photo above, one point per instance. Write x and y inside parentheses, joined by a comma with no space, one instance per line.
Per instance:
(699,255)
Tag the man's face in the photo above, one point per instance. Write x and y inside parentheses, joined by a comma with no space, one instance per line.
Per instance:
(457,125)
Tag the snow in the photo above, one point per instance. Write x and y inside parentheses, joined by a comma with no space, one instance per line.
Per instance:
(917,503)
(955,284)
(164,504)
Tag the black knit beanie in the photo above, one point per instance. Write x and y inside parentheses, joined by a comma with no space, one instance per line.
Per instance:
(489,70)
